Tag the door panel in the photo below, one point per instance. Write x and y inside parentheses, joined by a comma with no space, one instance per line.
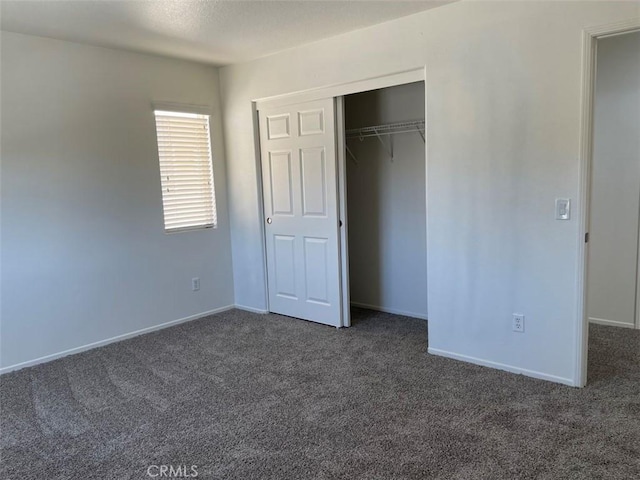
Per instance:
(301,210)
(311,122)
(315,261)
(280,173)
(314,184)
(278,126)
(284,264)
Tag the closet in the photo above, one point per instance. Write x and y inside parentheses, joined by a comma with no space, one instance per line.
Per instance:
(386,199)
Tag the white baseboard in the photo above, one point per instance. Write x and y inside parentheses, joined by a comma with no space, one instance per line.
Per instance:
(611,323)
(395,311)
(250,309)
(502,366)
(117,338)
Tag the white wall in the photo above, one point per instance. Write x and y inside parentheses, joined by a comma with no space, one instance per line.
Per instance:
(503,109)
(387,204)
(615,196)
(84,253)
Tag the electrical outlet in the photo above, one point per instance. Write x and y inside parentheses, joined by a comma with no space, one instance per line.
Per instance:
(518,323)
(195,284)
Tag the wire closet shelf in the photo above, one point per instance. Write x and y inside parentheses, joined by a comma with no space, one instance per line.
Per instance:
(388,129)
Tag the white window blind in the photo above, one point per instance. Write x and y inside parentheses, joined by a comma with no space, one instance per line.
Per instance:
(184,148)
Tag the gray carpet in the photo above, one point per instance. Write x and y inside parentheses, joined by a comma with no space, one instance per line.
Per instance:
(248,396)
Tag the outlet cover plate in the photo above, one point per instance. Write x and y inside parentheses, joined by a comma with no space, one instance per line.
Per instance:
(518,323)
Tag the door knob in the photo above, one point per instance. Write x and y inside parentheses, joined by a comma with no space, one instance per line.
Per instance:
(269,221)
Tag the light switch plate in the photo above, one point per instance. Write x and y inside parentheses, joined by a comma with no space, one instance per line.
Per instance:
(563,208)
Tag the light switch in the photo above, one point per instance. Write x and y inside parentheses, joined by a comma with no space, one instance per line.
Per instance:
(563,208)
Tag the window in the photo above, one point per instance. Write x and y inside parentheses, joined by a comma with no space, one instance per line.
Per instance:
(186,170)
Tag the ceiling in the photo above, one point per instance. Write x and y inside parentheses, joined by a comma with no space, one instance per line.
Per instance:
(217,32)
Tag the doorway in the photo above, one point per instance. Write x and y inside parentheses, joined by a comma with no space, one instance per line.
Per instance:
(591,39)
(385,197)
(612,291)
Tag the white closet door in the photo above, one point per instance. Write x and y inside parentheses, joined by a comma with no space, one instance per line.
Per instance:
(298,154)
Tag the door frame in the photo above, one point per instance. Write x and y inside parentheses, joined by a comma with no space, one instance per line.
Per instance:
(590,38)
(417,74)
(341,145)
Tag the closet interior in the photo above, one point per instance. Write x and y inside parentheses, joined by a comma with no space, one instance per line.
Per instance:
(386,199)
